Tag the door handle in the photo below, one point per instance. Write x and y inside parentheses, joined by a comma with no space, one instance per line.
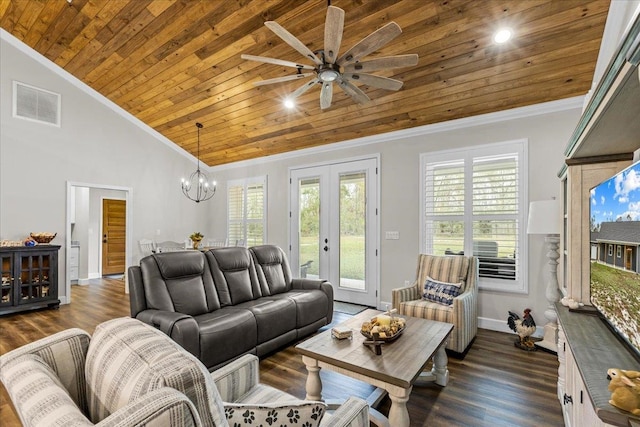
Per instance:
(326,248)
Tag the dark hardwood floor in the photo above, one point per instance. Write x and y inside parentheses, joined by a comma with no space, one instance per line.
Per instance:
(496,384)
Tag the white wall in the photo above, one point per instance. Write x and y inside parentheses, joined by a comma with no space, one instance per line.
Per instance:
(547,136)
(94,145)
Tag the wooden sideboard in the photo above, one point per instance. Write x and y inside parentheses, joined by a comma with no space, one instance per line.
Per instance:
(29,277)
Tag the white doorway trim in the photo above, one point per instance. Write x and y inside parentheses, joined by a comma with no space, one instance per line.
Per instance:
(375,206)
(128,194)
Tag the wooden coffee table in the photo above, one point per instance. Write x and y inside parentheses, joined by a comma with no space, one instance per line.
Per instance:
(394,372)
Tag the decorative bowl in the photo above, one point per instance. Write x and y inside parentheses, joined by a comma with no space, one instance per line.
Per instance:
(372,336)
(43,238)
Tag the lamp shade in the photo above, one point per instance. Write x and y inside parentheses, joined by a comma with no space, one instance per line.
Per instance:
(544,217)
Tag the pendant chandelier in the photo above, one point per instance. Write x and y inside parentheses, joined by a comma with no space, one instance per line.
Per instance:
(198,181)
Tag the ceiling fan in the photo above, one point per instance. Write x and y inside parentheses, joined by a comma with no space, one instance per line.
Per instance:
(343,70)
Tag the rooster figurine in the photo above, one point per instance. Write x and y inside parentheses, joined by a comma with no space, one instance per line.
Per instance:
(524,327)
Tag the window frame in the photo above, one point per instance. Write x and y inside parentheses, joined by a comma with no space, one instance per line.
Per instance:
(618,251)
(610,250)
(520,148)
(244,221)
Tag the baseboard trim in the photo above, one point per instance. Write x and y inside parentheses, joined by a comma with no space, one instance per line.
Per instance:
(498,325)
(501,326)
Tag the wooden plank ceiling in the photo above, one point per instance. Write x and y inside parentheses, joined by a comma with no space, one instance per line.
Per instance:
(172,63)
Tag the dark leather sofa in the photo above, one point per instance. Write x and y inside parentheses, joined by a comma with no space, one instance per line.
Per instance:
(227,302)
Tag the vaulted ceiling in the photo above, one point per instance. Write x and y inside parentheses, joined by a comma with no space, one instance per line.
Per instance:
(172,63)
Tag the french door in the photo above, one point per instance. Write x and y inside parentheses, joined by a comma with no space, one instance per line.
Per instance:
(334,227)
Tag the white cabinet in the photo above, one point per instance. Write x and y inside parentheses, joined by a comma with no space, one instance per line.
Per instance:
(586,349)
(74,262)
(576,404)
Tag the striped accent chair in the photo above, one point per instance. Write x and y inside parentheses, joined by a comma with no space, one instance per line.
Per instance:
(462,313)
(130,374)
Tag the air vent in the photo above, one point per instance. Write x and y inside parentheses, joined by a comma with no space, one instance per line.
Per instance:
(35,104)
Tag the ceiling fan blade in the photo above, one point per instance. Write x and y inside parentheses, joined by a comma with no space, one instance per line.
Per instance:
(326,93)
(292,41)
(275,61)
(375,81)
(282,79)
(354,92)
(383,63)
(302,89)
(333,27)
(373,41)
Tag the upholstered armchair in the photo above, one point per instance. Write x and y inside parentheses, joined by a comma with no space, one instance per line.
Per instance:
(130,374)
(451,296)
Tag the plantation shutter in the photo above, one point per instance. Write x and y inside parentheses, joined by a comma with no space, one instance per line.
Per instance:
(235,209)
(246,207)
(474,202)
(495,215)
(255,214)
(444,207)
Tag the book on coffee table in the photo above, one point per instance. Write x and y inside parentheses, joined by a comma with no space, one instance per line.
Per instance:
(341,332)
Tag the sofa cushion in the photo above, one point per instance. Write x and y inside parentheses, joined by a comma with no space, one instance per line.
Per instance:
(311,305)
(274,317)
(225,334)
(234,275)
(178,281)
(449,269)
(440,292)
(127,359)
(298,413)
(427,310)
(273,269)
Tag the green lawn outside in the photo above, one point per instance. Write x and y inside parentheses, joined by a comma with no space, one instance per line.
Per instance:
(617,293)
(352,256)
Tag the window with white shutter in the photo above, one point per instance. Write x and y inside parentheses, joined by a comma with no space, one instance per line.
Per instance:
(247,212)
(475,202)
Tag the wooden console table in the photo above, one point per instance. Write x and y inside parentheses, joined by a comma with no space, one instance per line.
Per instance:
(394,371)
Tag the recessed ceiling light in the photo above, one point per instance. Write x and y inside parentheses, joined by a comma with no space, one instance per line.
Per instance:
(289,103)
(502,35)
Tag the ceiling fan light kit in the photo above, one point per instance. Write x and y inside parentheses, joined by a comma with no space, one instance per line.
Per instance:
(330,68)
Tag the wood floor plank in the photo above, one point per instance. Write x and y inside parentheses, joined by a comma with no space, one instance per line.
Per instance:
(496,384)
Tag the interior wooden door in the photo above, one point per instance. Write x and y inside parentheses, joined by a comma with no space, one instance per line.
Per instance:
(114,226)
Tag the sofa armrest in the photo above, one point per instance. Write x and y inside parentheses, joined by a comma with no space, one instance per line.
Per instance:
(162,407)
(354,412)
(38,394)
(137,301)
(237,377)
(399,295)
(65,353)
(304,283)
(181,327)
(321,284)
(465,306)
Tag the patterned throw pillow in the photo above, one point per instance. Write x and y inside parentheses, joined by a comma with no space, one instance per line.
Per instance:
(299,414)
(440,292)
